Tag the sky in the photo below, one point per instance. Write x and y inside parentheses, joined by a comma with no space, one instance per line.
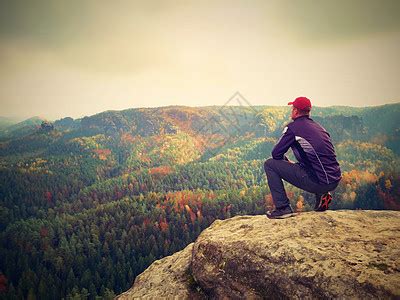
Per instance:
(74,58)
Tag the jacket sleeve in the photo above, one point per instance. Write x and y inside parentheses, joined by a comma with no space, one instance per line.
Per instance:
(282,146)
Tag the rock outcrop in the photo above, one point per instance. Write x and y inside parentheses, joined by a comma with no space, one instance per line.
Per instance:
(334,254)
(168,277)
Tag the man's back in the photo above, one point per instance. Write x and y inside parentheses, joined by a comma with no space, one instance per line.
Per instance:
(313,148)
(317,172)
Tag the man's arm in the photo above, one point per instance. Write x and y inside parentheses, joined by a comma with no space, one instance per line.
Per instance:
(285,141)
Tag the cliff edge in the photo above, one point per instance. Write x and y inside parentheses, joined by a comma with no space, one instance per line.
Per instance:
(334,254)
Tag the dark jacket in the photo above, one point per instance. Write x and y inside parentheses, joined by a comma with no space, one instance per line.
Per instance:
(312,147)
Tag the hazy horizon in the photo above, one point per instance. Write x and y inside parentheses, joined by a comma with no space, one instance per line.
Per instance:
(62,59)
(20,119)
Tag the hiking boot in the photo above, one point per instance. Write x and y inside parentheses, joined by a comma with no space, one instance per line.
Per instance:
(281,213)
(322,201)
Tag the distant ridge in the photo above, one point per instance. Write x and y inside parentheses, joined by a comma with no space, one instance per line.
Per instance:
(21,128)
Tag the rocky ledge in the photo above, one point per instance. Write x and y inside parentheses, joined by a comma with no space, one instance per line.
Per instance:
(334,254)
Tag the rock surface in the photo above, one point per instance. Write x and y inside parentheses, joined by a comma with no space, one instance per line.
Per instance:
(168,277)
(334,254)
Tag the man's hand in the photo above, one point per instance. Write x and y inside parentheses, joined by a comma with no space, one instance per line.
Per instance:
(288,160)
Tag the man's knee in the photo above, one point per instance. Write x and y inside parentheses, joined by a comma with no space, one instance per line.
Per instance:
(268,164)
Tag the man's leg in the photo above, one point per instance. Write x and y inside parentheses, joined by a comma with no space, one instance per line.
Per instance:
(277,170)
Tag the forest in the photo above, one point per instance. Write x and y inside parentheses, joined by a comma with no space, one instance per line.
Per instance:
(88,204)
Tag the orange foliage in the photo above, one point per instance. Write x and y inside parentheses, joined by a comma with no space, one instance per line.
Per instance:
(127,138)
(352,195)
(181,201)
(268,202)
(187,208)
(146,221)
(290,194)
(163,225)
(358,177)
(161,171)
(300,204)
(102,153)
(211,195)
(181,118)
(49,197)
(191,213)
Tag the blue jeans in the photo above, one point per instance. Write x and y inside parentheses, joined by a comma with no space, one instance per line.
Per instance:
(276,170)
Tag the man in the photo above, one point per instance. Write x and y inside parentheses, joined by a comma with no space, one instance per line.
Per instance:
(317,170)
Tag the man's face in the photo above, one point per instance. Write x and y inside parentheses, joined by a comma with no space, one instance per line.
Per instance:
(294,113)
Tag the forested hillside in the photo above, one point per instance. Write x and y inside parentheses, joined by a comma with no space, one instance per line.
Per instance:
(87,204)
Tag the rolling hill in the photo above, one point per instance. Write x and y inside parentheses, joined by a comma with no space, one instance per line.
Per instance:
(87,204)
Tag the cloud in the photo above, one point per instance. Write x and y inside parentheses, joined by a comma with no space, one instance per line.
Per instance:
(327,21)
(97,36)
(132,36)
(80,57)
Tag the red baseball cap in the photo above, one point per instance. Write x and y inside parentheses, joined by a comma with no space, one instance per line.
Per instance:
(302,103)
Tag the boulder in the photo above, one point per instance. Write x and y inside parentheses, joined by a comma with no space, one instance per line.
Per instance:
(168,278)
(333,254)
